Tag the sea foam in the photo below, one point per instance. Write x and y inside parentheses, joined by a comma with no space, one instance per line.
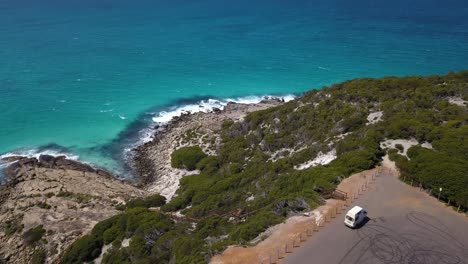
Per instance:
(209,105)
(35,153)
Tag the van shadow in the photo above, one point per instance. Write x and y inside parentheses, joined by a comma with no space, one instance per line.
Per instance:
(362,223)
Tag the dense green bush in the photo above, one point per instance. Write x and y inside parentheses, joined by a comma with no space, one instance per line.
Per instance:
(187,157)
(155,200)
(85,249)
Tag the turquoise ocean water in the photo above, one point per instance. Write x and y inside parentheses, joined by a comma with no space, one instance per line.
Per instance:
(87,77)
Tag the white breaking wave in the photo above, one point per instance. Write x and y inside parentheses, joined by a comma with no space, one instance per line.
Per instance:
(210,104)
(35,153)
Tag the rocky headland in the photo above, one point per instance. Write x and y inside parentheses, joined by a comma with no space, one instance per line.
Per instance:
(63,199)
(48,202)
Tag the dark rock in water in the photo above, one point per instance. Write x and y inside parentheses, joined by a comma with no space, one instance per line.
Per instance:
(12,170)
(67,164)
(272,100)
(47,160)
(216,110)
(28,162)
(104,173)
(13,158)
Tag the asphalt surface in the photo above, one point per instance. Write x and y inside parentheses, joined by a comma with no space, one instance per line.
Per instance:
(405,226)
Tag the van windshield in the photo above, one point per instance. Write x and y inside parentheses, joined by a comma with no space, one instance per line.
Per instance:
(349,218)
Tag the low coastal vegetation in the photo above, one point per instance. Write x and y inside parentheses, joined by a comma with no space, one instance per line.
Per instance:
(254,182)
(187,157)
(33,235)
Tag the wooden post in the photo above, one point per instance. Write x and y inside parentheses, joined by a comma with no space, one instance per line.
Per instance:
(458,210)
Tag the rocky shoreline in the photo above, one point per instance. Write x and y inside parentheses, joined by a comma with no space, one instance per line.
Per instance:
(152,161)
(66,198)
(48,202)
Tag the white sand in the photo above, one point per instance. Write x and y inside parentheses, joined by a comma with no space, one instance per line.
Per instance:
(406,143)
(104,250)
(167,184)
(457,101)
(321,159)
(125,242)
(374,117)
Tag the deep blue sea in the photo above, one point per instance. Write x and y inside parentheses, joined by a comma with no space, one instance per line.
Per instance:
(87,77)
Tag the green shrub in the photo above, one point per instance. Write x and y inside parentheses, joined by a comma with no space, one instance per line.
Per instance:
(85,249)
(33,235)
(13,226)
(43,205)
(39,256)
(399,147)
(187,157)
(155,200)
(111,234)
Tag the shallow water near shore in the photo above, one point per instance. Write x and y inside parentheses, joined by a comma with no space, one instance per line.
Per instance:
(86,78)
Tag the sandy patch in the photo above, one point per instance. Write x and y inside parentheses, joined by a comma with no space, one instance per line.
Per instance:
(374,117)
(167,184)
(125,242)
(426,145)
(104,250)
(321,159)
(406,143)
(457,101)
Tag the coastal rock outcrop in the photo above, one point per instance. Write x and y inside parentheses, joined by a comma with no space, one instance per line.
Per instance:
(152,160)
(49,202)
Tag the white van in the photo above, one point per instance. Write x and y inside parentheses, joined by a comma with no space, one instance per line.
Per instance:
(355,216)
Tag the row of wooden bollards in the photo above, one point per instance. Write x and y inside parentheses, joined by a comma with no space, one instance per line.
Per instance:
(333,212)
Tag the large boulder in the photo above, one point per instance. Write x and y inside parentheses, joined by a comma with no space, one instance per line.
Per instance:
(47,161)
(66,164)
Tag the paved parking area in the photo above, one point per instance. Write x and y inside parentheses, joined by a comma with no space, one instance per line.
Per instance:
(406,226)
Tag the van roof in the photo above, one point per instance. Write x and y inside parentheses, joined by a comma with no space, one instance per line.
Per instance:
(353,211)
